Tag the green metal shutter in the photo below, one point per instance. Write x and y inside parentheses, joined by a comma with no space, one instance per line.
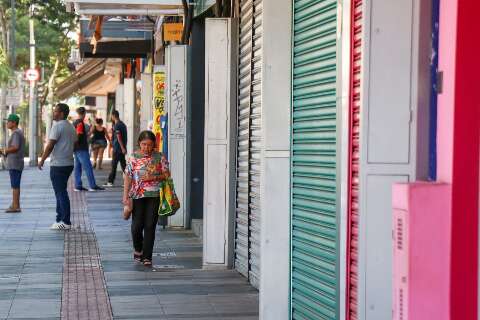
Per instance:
(249,137)
(315,251)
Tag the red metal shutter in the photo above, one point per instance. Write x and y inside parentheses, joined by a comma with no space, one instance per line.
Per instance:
(354,163)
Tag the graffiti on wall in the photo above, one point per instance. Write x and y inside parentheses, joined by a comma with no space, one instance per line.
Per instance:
(178,107)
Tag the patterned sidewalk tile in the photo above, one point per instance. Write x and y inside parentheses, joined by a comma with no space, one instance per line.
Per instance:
(84,295)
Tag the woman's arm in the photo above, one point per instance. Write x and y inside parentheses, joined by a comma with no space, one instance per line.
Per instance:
(127,183)
(107,135)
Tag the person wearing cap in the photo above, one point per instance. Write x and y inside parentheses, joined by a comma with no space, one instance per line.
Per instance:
(15,162)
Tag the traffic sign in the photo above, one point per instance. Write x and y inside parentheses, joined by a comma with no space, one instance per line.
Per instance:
(14,91)
(32,75)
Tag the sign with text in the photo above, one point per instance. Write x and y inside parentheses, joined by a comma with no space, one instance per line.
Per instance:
(14,91)
(160,111)
(172,31)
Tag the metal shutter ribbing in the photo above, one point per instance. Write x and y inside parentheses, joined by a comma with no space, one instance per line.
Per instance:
(315,251)
(256,145)
(354,157)
(247,250)
(243,137)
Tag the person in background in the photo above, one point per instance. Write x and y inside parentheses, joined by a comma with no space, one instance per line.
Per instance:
(82,155)
(99,142)
(146,169)
(60,146)
(119,147)
(110,140)
(15,162)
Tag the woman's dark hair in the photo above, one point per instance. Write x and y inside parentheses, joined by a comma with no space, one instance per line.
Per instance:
(147,135)
(99,121)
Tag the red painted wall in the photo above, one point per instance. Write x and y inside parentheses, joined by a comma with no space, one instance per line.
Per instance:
(354,159)
(458,145)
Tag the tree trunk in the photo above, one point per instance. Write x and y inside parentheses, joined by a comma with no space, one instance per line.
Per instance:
(50,97)
(4,28)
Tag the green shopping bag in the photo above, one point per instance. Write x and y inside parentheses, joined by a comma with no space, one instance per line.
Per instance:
(169,203)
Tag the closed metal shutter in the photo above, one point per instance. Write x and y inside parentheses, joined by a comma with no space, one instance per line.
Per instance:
(247,248)
(354,160)
(315,250)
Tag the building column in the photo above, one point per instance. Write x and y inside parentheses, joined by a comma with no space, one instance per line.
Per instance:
(458,162)
(458,146)
(276,103)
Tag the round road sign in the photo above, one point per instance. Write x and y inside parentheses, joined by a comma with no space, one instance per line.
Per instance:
(32,75)
(12,83)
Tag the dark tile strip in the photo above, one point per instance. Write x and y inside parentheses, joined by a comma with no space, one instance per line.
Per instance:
(84,294)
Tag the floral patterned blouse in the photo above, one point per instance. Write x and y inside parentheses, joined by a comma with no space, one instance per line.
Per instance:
(146,173)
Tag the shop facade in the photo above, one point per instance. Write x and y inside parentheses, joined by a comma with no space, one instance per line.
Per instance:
(308,115)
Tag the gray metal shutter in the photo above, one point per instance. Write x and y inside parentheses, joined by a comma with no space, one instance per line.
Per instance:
(247,248)
(315,251)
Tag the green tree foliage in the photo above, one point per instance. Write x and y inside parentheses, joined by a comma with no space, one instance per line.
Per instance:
(52,27)
(4,67)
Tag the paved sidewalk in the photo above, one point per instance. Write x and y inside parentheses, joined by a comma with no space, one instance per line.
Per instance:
(176,287)
(32,259)
(34,269)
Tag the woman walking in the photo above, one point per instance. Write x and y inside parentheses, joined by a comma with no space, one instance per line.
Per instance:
(145,171)
(99,142)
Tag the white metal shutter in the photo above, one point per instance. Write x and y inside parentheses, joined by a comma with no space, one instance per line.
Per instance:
(247,249)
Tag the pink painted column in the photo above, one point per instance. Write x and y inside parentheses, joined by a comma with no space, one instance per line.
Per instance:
(421,260)
(458,145)
(458,161)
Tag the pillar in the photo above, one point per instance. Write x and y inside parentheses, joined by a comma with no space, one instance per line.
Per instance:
(458,146)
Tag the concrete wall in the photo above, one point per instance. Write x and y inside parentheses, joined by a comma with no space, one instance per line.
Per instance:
(129,112)
(276,104)
(220,142)
(119,100)
(146,112)
(101,108)
(178,128)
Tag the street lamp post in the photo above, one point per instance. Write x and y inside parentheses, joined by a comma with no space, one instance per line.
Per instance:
(32,134)
(3,95)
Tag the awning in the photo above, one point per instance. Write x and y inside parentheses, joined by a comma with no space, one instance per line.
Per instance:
(89,72)
(102,86)
(119,29)
(126,7)
(117,49)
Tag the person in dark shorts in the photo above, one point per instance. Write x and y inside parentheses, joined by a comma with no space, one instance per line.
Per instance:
(99,142)
(82,155)
(15,162)
(119,147)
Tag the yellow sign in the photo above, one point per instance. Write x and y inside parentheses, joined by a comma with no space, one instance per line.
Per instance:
(172,31)
(159,112)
